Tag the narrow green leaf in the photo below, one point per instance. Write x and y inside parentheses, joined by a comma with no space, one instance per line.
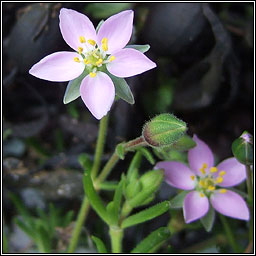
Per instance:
(120,150)
(153,240)
(118,197)
(208,219)
(123,90)
(108,185)
(85,162)
(94,198)
(73,89)
(99,244)
(177,201)
(67,218)
(99,25)
(147,154)
(27,229)
(111,213)
(142,48)
(132,172)
(146,215)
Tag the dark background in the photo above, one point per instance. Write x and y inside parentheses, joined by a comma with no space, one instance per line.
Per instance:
(204,75)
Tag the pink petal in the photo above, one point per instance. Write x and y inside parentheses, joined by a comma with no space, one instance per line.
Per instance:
(73,25)
(230,204)
(199,155)
(235,172)
(98,94)
(129,62)
(58,67)
(195,206)
(177,174)
(117,29)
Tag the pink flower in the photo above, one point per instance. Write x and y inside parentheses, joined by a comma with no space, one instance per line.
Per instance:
(207,183)
(94,52)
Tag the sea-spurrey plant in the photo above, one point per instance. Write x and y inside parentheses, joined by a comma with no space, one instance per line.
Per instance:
(100,57)
(207,184)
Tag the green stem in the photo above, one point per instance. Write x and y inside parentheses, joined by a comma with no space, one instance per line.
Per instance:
(229,233)
(99,146)
(116,235)
(95,168)
(250,199)
(79,224)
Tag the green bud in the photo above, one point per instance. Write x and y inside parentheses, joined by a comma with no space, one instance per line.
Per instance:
(242,148)
(150,182)
(163,130)
(133,189)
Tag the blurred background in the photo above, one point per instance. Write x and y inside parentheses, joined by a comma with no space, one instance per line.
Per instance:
(204,75)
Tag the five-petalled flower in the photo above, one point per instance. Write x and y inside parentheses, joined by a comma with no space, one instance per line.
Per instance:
(207,183)
(95,52)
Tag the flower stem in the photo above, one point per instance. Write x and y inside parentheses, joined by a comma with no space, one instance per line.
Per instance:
(79,224)
(99,146)
(250,199)
(116,235)
(229,233)
(95,168)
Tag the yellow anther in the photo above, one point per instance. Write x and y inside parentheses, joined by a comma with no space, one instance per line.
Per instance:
(223,191)
(86,61)
(211,188)
(213,169)
(192,177)
(205,165)
(82,39)
(80,50)
(104,43)
(201,194)
(219,179)
(76,59)
(92,74)
(92,42)
(202,170)
(202,183)
(112,58)
(99,62)
(222,173)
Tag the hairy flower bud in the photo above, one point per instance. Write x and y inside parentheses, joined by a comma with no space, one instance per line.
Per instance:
(163,130)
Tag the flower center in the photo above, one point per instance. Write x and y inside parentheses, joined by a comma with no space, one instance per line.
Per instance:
(207,183)
(92,55)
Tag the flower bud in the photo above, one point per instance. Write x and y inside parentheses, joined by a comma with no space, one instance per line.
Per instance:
(242,148)
(163,130)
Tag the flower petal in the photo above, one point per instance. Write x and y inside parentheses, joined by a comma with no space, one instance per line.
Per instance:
(199,155)
(117,29)
(230,204)
(98,94)
(177,174)
(58,67)
(235,172)
(129,62)
(195,206)
(73,25)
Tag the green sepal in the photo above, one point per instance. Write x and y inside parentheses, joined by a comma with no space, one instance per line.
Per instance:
(99,25)
(101,248)
(208,219)
(178,200)
(153,241)
(147,154)
(123,90)
(142,48)
(73,89)
(146,215)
